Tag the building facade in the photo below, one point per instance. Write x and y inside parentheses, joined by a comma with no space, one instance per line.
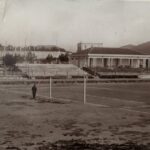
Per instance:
(110,58)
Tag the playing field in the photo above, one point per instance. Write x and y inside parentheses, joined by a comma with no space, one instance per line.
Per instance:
(129,96)
(113,113)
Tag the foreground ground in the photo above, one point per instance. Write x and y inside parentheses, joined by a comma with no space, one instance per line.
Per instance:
(27,124)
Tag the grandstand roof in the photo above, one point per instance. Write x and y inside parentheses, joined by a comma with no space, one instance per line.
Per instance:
(104,50)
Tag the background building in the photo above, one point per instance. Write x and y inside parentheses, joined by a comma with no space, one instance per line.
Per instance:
(110,58)
(39,52)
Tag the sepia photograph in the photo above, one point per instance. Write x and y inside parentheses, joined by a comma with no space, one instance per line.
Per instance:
(74,74)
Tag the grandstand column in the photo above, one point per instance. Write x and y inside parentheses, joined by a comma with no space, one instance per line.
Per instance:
(94,62)
(88,62)
(148,61)
(144,63)
(131,63)
(120,62)
(102,62)
(99,62)
(109,62)
(138,63)
(128,62)
(91,62)
(135,63)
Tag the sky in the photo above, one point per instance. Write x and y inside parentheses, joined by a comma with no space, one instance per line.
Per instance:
(66,22)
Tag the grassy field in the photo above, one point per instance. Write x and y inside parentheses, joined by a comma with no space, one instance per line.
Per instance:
(115,113)
(132,96)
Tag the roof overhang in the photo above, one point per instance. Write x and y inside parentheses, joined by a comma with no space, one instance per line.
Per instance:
(129,56)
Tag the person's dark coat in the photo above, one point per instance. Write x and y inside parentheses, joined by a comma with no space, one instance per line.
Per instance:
(34,90)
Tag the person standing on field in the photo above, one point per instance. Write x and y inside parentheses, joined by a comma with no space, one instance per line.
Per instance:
(34,90)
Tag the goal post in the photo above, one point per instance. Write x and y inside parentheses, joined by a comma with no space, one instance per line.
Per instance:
(50,87)
(85,90)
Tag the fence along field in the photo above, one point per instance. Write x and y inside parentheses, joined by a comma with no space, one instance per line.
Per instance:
(128,96)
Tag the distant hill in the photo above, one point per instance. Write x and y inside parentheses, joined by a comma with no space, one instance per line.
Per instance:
(143,48)
(129,46)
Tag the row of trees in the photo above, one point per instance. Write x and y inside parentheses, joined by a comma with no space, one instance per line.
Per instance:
(10,60)
(63,58)
(33,48)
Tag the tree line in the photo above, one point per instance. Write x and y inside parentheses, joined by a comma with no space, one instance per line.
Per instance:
(10,60)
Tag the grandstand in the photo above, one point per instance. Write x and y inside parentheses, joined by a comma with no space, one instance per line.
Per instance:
(54,70)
